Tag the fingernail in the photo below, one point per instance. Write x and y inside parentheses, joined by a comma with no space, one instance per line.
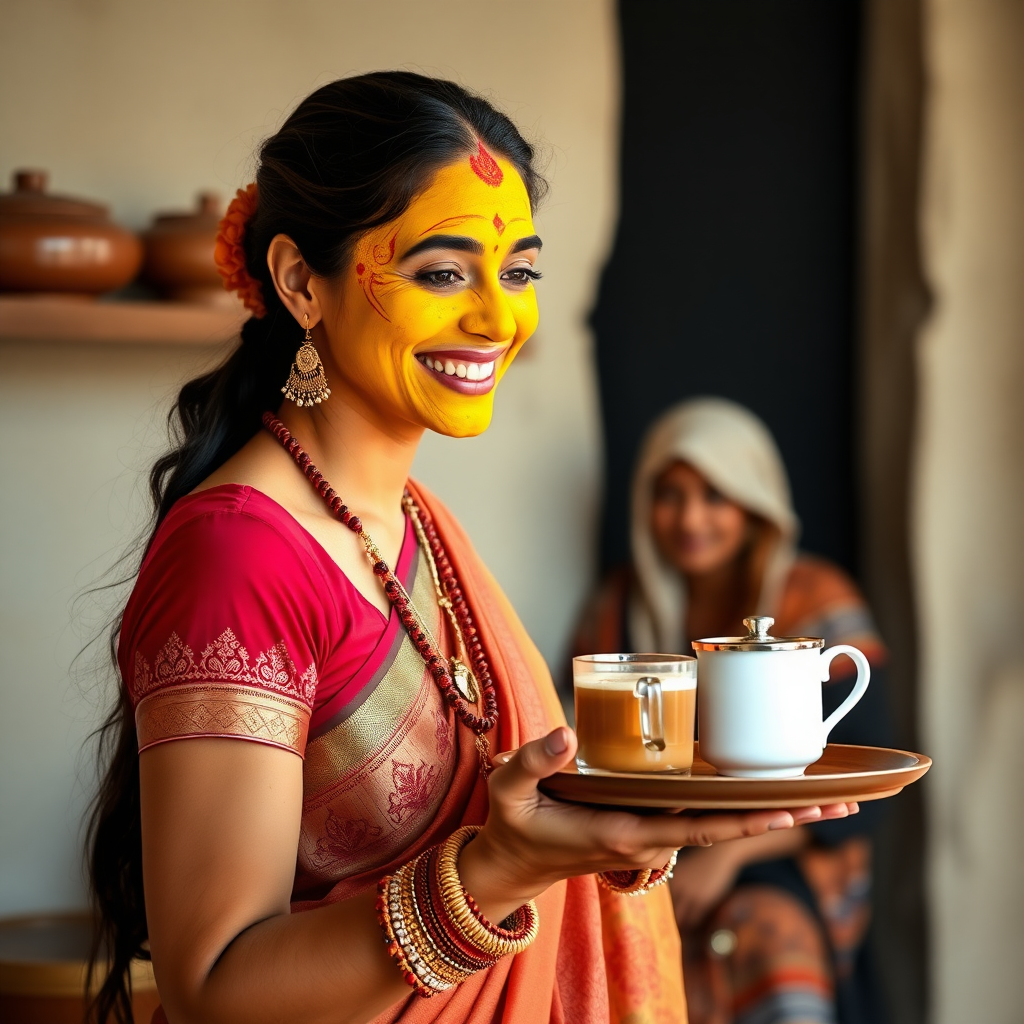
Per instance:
(807,814)
(782,821)
(556,742)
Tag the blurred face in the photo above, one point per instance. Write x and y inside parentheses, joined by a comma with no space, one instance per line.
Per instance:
(435,305)
(695,527)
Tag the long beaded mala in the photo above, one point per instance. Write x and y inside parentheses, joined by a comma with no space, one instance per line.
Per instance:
(450,598)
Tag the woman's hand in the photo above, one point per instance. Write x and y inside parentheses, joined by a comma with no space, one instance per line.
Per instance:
(530,840)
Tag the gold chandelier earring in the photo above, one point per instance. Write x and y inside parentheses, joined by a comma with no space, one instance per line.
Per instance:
(307,382)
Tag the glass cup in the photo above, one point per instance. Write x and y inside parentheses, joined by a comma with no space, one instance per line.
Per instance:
(634,712)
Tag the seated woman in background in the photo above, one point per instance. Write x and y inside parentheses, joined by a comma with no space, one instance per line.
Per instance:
(772,926)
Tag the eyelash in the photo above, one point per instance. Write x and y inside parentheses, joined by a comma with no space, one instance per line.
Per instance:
(430,277)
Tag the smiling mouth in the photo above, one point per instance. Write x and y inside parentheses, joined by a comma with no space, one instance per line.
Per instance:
(467,372)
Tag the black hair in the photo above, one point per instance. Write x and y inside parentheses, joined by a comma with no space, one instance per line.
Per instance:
(352,156)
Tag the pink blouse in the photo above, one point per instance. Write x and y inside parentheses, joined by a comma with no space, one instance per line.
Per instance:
(241,624)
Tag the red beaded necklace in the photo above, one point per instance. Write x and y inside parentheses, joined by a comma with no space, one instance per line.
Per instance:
(452,598)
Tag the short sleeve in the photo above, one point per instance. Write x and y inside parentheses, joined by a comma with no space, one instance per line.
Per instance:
(223,634)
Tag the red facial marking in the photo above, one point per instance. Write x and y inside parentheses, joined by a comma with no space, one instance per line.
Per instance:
(486,167)
(499,225)
(383,254)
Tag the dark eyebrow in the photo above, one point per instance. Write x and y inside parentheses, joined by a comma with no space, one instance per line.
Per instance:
(530,242)
(458,242)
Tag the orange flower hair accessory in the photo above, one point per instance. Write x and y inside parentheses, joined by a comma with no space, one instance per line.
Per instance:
(229,255)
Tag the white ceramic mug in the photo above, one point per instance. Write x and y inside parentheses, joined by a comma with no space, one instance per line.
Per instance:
(759,709)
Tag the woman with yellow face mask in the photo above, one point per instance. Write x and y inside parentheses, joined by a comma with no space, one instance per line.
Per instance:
(304,817)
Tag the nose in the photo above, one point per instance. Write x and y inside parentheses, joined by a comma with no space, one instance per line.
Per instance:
(691,513)
(491,315)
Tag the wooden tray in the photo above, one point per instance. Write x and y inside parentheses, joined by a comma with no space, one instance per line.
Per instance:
(844,773)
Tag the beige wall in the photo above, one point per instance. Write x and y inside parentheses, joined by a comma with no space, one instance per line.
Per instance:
(143,103)
(969,520)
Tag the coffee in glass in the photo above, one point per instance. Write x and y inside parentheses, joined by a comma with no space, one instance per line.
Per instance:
(635,712)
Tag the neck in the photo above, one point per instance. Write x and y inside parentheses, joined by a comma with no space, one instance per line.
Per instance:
(713,597)
(366,459)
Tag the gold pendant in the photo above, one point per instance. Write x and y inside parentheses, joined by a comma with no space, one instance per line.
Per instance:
(464,681)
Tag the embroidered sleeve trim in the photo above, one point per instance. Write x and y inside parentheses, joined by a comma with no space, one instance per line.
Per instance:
(179,712)
(223,661)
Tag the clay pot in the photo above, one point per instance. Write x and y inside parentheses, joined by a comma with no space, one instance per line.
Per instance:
(43,970)
(179,254)
(52,243)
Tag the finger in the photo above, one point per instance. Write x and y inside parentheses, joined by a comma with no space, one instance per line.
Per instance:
(835,811)
(717,828)
(533,761)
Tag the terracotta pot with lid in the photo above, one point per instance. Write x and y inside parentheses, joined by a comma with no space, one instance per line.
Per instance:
(179,254)
(52,243)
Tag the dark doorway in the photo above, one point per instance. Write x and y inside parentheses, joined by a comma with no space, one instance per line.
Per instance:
(733,268)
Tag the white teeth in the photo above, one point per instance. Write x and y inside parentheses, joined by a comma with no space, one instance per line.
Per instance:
(464,371)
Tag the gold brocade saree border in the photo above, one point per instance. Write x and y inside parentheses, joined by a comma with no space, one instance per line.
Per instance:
(178,712)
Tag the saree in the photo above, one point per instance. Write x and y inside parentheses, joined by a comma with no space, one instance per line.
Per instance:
(388,771)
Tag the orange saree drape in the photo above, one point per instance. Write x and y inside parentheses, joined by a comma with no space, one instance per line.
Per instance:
(599,957)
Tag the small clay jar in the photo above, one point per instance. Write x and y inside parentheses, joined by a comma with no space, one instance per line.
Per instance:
(179,254)
(56,244)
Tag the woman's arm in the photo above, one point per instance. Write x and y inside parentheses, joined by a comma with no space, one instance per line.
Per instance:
(703,877)
(220,829)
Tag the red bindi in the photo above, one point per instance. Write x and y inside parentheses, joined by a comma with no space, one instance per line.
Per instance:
(360,268)
(486,167)
(499,225)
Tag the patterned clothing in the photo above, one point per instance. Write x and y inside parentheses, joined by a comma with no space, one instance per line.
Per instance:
(242,626)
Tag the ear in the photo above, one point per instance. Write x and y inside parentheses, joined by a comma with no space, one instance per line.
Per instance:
(293,280)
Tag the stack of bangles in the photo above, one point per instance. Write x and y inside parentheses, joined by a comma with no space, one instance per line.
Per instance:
(436,933)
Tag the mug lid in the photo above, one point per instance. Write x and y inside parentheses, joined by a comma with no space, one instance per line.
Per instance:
(757,639)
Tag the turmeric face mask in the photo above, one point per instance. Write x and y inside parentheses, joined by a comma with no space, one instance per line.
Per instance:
(435,305)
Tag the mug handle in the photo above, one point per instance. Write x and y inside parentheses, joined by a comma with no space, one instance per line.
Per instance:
(652,727)
(863,678)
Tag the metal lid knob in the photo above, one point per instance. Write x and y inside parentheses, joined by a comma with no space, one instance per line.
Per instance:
(758,626)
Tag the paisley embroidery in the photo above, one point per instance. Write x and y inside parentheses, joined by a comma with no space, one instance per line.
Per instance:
(413,787)
(224,660)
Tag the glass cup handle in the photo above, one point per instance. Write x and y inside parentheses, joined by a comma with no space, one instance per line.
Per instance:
(652,727)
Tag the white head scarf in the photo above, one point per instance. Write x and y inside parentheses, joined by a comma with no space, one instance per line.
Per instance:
(736,453)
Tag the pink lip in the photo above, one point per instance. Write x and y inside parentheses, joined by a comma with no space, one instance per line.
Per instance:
(463,355)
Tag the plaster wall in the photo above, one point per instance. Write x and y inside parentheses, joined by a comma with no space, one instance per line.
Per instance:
(141,104)
(969,497)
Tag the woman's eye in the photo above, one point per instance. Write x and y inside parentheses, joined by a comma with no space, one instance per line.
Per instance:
(439,278)
(520,277)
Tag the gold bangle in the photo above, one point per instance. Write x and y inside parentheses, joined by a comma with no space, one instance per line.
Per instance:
(488,940)
(434,959)
(641,884)
(417,970)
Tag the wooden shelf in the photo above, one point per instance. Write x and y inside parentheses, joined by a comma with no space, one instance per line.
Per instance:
(49,319)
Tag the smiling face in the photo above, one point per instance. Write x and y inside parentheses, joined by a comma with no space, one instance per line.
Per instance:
(434,306)
(695,527)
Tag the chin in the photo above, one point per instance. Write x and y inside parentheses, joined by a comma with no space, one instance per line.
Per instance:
(471,423)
